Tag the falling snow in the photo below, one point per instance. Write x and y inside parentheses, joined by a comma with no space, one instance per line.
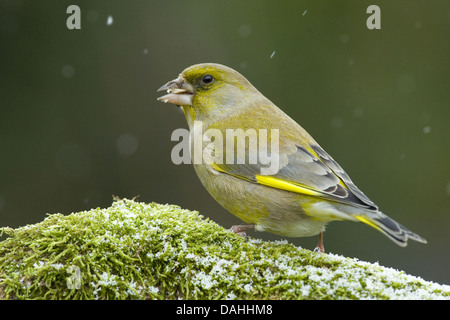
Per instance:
(109,21)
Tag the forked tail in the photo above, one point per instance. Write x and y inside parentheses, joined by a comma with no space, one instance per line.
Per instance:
(391,228)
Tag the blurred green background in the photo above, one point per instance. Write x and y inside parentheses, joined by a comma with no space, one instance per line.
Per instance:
(79,119)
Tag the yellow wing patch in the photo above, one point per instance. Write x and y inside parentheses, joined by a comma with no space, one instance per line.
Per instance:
(217,168)
(276,183)
(285,185)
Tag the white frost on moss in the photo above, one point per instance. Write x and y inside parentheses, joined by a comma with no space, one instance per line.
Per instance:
(135,250)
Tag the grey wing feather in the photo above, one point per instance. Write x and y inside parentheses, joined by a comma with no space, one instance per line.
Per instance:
(324,174)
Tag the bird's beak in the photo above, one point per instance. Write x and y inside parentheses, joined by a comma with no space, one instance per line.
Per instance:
(179,92)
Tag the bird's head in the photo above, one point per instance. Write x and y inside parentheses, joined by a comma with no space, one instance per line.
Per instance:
(209,91)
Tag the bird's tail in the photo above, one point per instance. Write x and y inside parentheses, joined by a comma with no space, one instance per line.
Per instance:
(391,228)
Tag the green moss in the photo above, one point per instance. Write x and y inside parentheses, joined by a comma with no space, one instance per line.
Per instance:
(134,250)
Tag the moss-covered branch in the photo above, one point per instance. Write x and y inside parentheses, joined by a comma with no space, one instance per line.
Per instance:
(135,250)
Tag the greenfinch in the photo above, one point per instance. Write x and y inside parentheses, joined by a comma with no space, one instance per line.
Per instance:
(296,195)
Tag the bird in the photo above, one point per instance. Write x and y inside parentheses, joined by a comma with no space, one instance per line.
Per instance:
(298,193)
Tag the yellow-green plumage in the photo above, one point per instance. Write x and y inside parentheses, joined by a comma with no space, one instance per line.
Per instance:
(308,189)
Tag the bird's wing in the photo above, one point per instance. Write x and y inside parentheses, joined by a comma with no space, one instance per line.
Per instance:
(307,170)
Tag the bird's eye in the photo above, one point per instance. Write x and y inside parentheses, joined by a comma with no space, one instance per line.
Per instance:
(207,79)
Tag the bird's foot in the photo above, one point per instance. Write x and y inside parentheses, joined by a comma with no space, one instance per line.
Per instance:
(240,229)
(320,248)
